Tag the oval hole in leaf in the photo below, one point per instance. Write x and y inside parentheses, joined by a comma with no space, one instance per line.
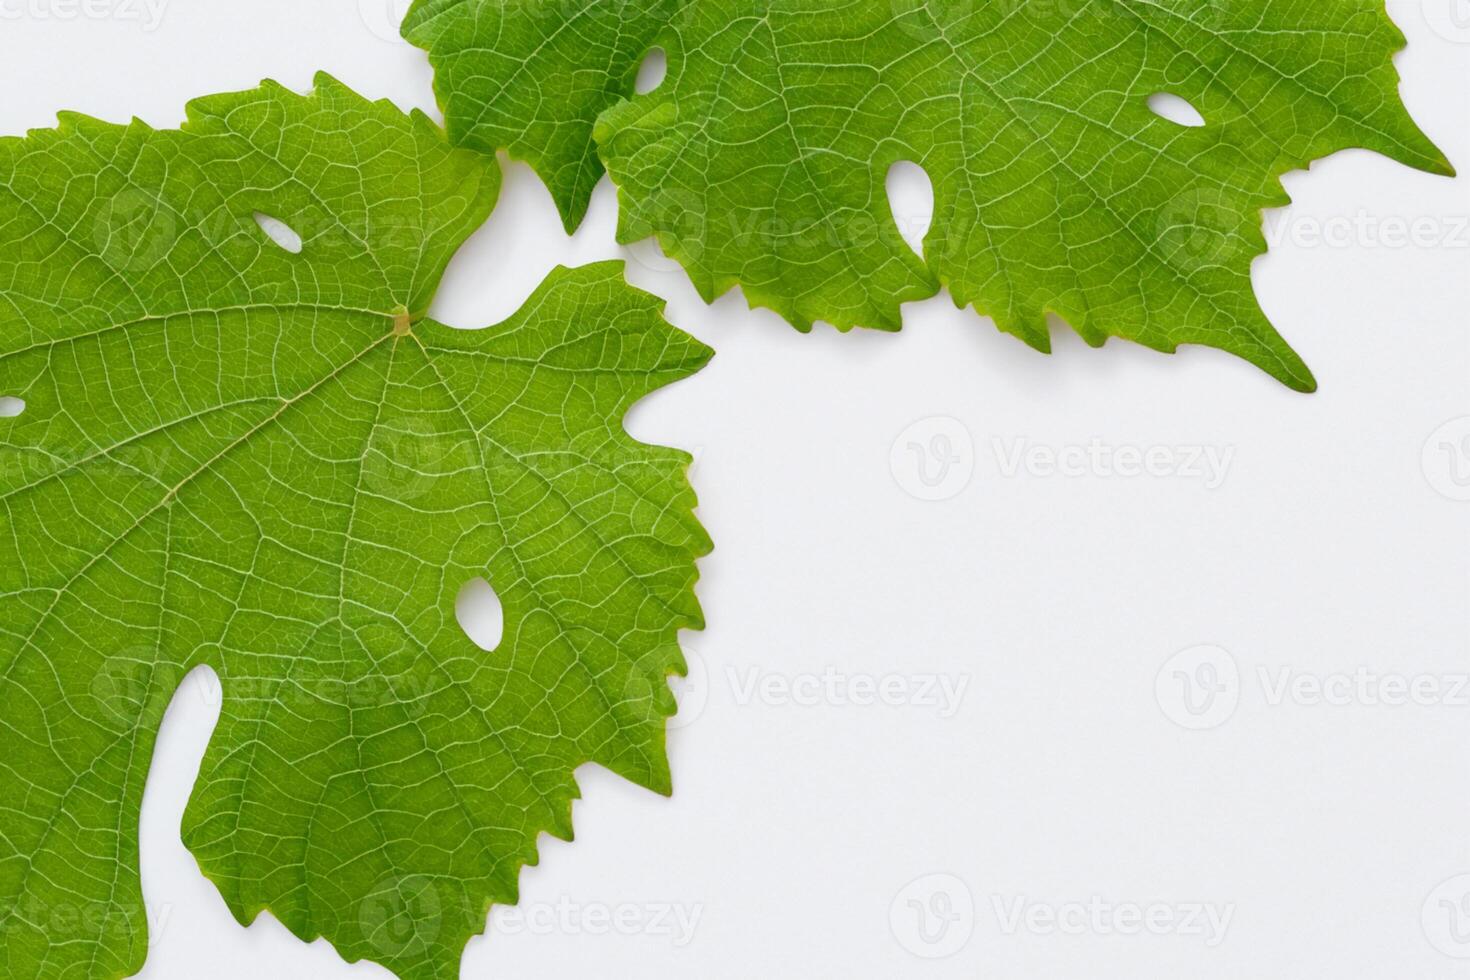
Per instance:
(652,72)
(1169,106)
(279,232)
(11,407)
(911,197)
(480,615)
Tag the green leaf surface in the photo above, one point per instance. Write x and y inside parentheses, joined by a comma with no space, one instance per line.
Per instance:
(274,464)
(531,78)
(761,161)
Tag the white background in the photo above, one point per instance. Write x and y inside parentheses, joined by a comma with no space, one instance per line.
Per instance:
(1072,770)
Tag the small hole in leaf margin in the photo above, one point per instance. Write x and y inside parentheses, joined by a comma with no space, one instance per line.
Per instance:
(480,615)
(911,198)
(652,72)
(1167,105)
(10,407)
(279,232)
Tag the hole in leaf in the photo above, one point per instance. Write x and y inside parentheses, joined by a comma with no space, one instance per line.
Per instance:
(911,197)
(279,232)
(11,407)
(184,735)
(1171,107)
(652,72)
(480,615)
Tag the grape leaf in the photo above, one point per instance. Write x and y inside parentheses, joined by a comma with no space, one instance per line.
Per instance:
(531,78)
(270,461)
(761,160)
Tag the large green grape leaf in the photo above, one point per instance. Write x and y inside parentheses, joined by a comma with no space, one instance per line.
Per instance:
(761,161)
(271,462)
